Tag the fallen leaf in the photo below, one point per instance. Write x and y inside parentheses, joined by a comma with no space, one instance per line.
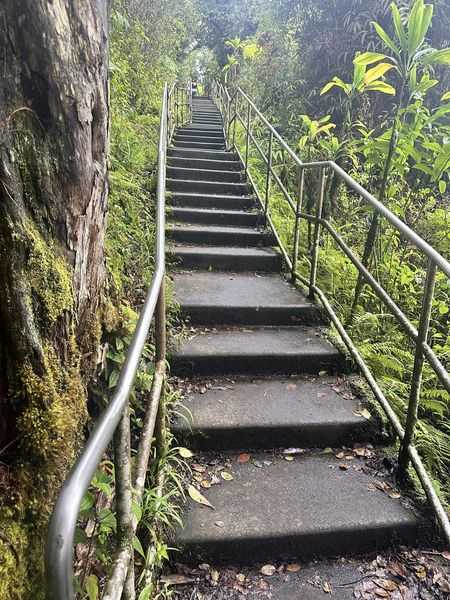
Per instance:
(340,455)
(398,569)
(381,593)
(363,413)
(293,451)
(344,467)
(394,494)
(268,570)
(227,476)
(176,579)
(205,483)
(243,458)
(421,572)
(214,575)
(241,577)
(197,497)
(289,458)
(293,568)
(386,584)
(220,524)
(263,585)
(185,453)
(328,451)
(444,586)
(198,468)
(446,554)
(321,373)
(326,587)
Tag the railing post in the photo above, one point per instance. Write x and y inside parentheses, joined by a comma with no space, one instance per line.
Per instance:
(235,119)
(123,492)
(160,325)
(300,192)
(317,230)
(268,174)
(416,380)
(247,139)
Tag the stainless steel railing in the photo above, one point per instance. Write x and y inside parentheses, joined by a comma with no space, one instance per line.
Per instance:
(239,110)
(115,420)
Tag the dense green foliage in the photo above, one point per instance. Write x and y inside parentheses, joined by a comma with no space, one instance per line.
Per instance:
(148,42)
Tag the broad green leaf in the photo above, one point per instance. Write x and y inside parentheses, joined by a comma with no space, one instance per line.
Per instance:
(398,26)
(426,21)
(446,96)
(438,57)
(381,86)
(87,503)
(415,26)
(326,128)
(367,58)
(327,87)
(386,39)
(92,587)
(146,593)
(358,74)
(376,72)
(138,546)
(442,188)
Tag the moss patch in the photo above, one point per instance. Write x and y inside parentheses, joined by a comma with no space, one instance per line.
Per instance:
(49,276)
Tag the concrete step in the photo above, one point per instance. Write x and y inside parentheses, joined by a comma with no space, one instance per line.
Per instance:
(199,174)
(192,153)
(186,137)
(256,350)
(303,412)
(207,187)
(227,202)
(199,132)
(207,128)
(299,509)
(204,164)
(242,299)
(199,145)
(200,122)
(219,236)
(216,217)
(227,259)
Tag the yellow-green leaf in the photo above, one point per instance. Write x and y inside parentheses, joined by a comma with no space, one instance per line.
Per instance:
(376,72)
(199,498)
(386,39)
(399,29)
(92,587)
(446,96)
(381,86)
(368,58)
(185,453)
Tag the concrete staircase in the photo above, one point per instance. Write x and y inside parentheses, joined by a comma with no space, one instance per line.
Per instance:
(282,386)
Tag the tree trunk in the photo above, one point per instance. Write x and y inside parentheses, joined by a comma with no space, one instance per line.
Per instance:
(53,193)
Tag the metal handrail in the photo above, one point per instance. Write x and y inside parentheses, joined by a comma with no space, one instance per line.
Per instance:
(228,104)
(60,540)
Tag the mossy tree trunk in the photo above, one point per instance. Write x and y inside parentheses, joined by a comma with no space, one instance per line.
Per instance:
(53,193)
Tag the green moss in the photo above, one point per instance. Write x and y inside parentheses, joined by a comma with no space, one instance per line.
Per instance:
(21,559)
(54,415)
(49,276)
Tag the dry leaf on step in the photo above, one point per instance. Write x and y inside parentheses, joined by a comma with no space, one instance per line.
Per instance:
(268,570)
(176,579)
(185,453)
(197,497)
(243,458)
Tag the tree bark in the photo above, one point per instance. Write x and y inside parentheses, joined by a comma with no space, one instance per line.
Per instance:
(53,195)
